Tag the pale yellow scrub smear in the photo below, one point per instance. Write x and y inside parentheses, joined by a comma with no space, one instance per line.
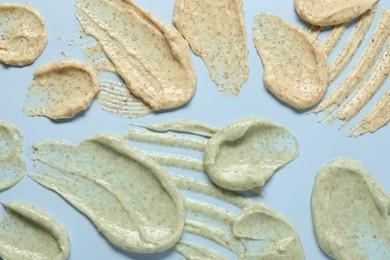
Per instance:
(216,32)
(152,57)
(295,65)
(331,12)
(23,34)
(61,89)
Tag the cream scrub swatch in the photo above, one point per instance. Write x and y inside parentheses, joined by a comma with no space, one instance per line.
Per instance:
(152,57)
(350,212)
(130,198)
(331,12)
(240,156)
(23,34)
(295,65)
(216,32)
(27,232)
(61,89)
(12,165)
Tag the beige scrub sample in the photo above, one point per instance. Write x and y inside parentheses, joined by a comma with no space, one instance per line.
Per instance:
(130,198)
(331,12)
(152,57)
(216,32)
(295,65)
(350,212)
(27,232)
(61,89)
(12,165)
(23,34)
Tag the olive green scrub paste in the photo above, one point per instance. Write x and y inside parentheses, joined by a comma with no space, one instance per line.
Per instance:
(61,89)
(130,198)
(350,212)
(23,34)
(27,232)
(216,32)
(152,57)
(12,166)
(240,156)
(331,12)
(250,230)
(295,65)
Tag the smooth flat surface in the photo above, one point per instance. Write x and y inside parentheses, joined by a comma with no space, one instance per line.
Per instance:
(288,191)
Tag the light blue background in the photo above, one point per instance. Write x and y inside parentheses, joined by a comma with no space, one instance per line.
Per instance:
(289,190)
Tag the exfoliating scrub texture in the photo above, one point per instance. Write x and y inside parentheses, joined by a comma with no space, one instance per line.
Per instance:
(27,232)
(130,198)
(12,165)
(295,65)
(61,89)
(216,32)
(23,34)
(151,57)
(350,211)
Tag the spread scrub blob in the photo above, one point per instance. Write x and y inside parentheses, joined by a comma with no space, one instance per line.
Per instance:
(257,222)
(331,12)
(240,156)
(129,197)
(12,166)
(216,32)
(295,64)
(246,153)
(350,212)
(61,89)
(23,34)
(27,232)
(152,57)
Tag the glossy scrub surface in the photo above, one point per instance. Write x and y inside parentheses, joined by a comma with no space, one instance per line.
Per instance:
(61,89)
(131,199)
(28,233)
(151,57)
(23,34)
(350,211)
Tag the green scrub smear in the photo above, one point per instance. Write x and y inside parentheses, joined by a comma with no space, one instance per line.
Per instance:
(350,212)
(130,198)
(27,232)
(12,165)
